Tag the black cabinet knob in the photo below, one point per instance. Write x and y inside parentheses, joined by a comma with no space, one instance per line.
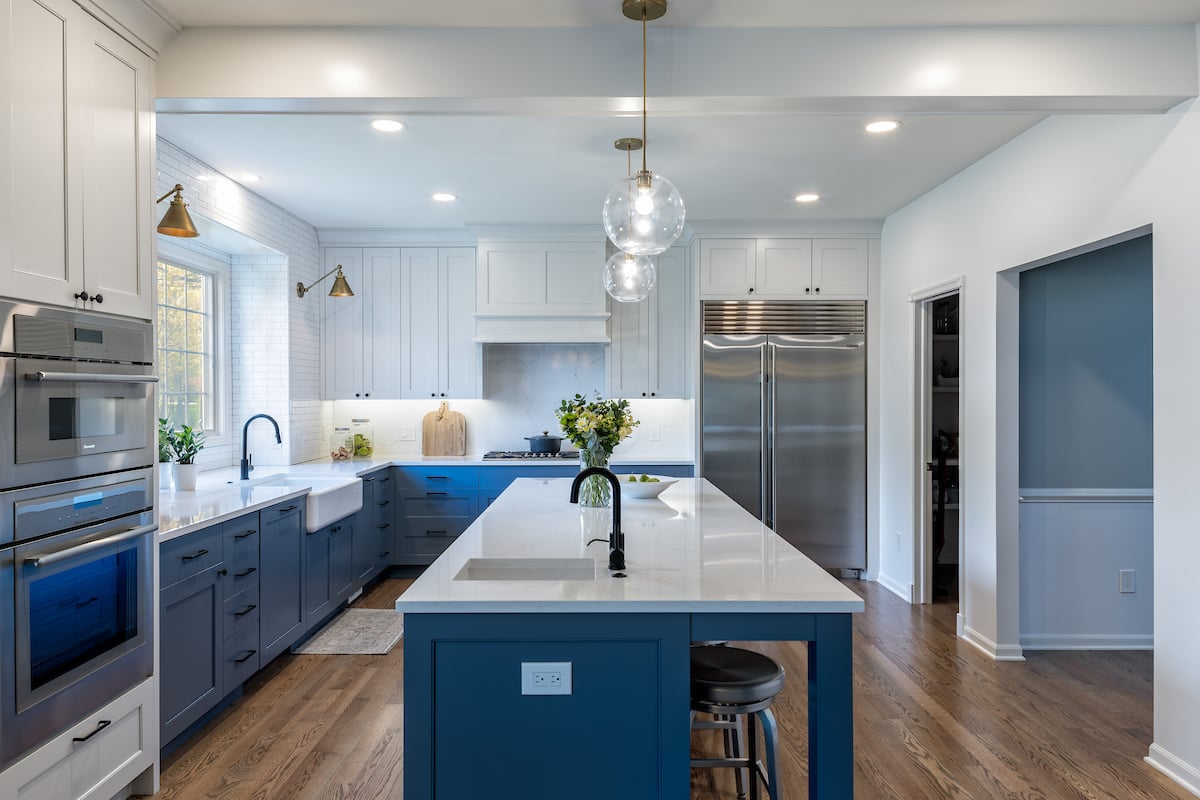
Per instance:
(83,295)
(99,298)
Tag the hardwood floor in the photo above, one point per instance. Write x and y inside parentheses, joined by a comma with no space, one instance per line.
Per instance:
(934,718)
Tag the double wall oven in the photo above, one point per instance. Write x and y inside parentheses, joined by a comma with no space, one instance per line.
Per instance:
(77,454)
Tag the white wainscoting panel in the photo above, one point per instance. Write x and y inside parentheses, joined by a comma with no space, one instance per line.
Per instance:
(1074,543)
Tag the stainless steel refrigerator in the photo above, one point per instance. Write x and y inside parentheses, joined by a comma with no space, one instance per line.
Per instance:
(783,409)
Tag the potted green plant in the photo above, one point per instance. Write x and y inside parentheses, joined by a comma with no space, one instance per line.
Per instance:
(185,444)
(164,453)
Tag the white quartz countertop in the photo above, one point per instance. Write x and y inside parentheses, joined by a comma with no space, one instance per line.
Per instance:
(475,460)
(691,550)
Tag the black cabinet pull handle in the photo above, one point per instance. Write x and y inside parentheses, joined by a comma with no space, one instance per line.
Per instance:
(244,535)
(384,526)
(87,603)
(245,572)
(289,508)
(384,554)
(435,494)
(435,533)
(385,480)
(367,480)
(196,554)
(101,725)
(386,503)
(241,659)
(439,477)
(241,612)
(222,572)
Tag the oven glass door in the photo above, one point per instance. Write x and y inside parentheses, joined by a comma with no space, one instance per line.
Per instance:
(82,604)
(69,409)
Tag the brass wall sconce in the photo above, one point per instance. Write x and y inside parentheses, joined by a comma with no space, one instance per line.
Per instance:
(177,221)
(340,287)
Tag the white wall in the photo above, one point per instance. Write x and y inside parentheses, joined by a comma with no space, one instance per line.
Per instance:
(1067,182)
(275,336)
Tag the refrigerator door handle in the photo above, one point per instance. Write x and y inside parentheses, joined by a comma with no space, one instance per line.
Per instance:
(768,443)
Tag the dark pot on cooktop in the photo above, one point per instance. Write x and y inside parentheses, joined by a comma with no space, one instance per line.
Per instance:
(544,443)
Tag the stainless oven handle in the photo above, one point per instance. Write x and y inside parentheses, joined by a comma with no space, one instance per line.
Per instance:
(51,558)
(88,377)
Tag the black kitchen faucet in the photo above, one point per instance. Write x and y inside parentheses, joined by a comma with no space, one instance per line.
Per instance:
(245,457)
(616,540)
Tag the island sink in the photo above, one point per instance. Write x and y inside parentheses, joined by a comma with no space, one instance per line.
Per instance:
(527,569)
(329,499)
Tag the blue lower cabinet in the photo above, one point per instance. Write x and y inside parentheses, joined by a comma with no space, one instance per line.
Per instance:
(280,584)
(190,642)
(318,579)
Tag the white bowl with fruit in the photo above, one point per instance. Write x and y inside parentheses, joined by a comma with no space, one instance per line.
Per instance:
(642,487)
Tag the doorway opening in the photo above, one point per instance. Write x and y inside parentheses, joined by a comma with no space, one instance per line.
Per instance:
(940,468)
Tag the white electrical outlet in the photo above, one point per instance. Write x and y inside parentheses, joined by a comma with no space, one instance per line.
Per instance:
(1126,581)
(545,677)
(408,433)
(899,540)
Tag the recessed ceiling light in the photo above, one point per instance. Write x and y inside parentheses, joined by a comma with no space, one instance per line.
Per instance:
(387,125)
(807,198)
(445,197)
(882,126)
(249,178)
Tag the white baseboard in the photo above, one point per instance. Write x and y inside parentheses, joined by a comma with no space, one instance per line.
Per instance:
(1084,641)
(902,590)
(960,625)
(997,652)
(1174,768)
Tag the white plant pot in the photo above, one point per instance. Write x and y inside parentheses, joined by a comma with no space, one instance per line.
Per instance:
(185,477)
(165,480)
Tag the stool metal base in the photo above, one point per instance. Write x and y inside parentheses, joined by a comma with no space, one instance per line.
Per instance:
(729,721)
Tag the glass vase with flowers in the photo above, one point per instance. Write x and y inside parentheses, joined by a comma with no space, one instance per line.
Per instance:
(596,427)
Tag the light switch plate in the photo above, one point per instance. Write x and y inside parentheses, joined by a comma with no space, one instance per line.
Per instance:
(408,433)
(545,677)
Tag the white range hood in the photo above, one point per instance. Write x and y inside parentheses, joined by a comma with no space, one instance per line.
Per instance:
(542,328)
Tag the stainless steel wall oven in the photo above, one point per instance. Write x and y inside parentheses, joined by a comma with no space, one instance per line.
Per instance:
(77,524)
(77,392)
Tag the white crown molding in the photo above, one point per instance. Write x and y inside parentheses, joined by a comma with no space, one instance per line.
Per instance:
(802,229)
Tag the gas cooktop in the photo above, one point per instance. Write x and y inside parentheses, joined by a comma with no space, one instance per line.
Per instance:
(566,455)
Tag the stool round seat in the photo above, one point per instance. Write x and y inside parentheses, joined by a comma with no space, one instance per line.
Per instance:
(733,676)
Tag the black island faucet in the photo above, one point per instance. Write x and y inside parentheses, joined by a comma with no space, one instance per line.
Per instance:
(245,457)
(616,540)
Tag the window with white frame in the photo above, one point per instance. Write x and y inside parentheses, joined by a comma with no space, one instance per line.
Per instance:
(187,325)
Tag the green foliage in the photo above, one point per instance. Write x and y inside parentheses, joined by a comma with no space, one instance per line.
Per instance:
(164,440)
(186,443)
(599,425)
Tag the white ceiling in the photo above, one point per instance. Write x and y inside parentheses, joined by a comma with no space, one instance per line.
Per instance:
(708,13)
(334,171)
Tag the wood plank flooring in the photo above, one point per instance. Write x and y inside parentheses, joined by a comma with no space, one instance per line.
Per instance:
(934,718)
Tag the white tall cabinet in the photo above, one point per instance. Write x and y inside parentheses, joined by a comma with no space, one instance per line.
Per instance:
(650,350)
(76,161)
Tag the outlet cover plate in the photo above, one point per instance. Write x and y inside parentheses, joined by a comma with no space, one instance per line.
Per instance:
(545,677)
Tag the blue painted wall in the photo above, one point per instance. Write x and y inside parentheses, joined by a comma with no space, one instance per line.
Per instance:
(1086,371)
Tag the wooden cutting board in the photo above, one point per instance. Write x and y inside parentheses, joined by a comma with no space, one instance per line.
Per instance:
(444,432)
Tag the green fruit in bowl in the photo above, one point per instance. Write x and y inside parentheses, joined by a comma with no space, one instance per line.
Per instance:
(633,478)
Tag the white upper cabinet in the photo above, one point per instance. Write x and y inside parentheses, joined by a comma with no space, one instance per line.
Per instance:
(344,348)
(75,161)
(781,268)
(437,355)
(650,352)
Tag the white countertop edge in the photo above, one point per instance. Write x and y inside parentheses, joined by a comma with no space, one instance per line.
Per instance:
(231,513)
(473,461)
(626,607)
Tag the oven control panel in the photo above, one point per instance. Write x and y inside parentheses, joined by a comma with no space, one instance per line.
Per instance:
(53,512)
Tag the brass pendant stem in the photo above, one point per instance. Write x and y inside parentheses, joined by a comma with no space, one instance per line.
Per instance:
(644,140)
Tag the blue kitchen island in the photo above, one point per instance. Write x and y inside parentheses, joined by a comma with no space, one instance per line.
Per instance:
(530,671)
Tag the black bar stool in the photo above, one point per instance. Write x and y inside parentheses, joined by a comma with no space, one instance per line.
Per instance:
(728,682)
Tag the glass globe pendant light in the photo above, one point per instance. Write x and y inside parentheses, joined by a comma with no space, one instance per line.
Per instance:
(628,278)
(643,213)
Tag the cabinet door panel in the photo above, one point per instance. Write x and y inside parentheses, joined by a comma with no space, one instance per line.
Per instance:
(190,667)
(630,352)
(318,578)
(116,150)
(281,620)
(460,354)
(382,334)
(36,188)
(421,322)
(726,267)
(784,268)
(511,278)
(341,328)
(840,267)
(670,348)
